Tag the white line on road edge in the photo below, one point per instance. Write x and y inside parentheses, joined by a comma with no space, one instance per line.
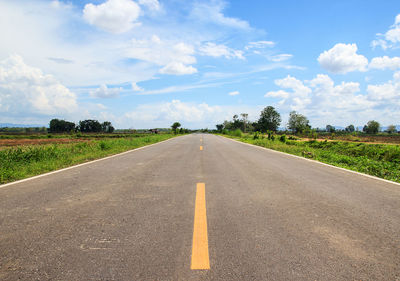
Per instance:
(82,164)
(315,161)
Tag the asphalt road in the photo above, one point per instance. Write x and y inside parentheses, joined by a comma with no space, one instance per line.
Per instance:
(268,216)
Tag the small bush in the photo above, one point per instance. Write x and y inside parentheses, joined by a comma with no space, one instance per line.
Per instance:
(282,138)
(237,133)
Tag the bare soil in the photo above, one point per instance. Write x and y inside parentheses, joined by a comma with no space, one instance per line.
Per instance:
(18,142)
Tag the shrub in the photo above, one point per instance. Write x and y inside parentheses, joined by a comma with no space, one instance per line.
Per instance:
(282,138)
(237,133)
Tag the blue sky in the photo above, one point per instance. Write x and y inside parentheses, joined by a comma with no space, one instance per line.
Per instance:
(148,63)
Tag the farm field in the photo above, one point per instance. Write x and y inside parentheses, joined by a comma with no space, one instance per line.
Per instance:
(25,157)
(376,159)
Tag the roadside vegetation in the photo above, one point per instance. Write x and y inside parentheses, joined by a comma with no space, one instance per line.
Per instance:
(28,153)
(20,162)
(369,151)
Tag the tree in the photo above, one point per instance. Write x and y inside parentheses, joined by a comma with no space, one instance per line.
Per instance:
(237,123)
(330,129)
(350,128)
(61,126)
(269,119)
(106,127)
(391,129)
(298,122)
(175,126)
(90,126)
(372,127)
(244,120)
(220,127)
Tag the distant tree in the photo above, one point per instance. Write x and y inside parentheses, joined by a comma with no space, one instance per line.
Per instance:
(175,126)
(220,127)
(107,127)
(90,126)
(61,126)
(350,128)
(244,120)
(298,122)
(237,123)
(269,119)
(372,127)
(391,129)
(330,129)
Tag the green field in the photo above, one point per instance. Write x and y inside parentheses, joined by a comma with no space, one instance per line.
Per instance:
(380,160)
(20,162)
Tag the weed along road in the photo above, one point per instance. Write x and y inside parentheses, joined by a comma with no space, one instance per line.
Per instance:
(200,207)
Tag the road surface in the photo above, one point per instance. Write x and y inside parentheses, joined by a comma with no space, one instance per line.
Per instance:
(200,207)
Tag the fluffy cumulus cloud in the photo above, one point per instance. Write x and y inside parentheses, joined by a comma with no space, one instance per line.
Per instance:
(160,114)
(390,39)
(343,58)
(325,102)
(25,90)
(189,114)
(387,93)
(214,50)
(385,63)
(115,16)
(174,57)
(104,92)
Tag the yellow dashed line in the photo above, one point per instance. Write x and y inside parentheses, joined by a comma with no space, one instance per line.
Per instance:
(200,258)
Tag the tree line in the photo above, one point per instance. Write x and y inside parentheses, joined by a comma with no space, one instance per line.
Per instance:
(85,126)
(270,120)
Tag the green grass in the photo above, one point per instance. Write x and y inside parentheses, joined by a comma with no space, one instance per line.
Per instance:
(26,161)
(380,160)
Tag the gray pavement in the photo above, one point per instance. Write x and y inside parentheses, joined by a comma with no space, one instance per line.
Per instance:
(270,217)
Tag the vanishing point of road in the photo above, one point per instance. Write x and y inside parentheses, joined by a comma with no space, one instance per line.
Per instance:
(200,207)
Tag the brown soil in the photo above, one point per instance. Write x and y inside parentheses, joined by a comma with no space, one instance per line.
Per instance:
(18,142)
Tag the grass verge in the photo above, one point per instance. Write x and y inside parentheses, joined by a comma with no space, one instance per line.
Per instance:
(25,161)
(380,160)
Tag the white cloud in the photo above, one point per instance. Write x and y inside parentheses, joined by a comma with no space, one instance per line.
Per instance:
(177,68)
(115,16)
(385,62)
(212,12)
(173,56)
(391,38)
(343,58)
(259,45)
(25,90)
(323,102)
(277,94)
(234,93)
(153,5)
(214,50)
(280,57)
(136,88)
(386,93)
(190,114)
(104,92)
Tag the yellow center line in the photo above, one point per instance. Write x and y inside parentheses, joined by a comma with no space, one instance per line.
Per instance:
(201,147)
(200,259)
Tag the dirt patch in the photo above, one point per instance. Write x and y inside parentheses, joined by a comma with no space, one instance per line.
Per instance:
(18,142)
